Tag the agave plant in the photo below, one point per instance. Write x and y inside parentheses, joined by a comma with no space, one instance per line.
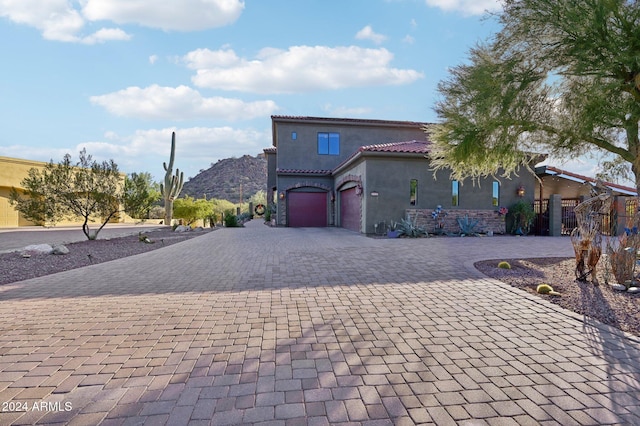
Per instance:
(410,228)
(467,225)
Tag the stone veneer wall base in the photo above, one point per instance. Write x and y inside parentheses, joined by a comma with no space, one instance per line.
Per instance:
(488,220)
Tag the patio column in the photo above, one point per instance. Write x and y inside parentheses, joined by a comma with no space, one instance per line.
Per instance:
(555,215)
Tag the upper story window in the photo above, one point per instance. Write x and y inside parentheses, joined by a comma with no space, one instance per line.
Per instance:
(495,200)
(294,136)
(455,193)
(329,143)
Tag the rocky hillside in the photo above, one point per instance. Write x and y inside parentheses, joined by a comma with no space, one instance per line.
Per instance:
(223,179)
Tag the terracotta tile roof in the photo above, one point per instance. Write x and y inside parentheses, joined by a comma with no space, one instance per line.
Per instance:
(557,171)
(303,171)
(349,120)
(410,147)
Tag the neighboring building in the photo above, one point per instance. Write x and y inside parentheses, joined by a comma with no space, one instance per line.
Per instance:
(559,192)
(359,174)
(572,185)
(12,172)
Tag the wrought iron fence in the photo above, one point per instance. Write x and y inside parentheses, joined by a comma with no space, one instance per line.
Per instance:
(541,222)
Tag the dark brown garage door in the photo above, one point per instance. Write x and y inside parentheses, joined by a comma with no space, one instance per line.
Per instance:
(350,210)
(307,209)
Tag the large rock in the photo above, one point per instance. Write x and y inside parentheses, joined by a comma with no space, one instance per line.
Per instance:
(182,228)
(60,249)
(37,249)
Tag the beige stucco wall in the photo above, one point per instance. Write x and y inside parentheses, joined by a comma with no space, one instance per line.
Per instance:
(12,172)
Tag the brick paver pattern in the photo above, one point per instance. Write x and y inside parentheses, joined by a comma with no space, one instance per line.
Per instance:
(285,326)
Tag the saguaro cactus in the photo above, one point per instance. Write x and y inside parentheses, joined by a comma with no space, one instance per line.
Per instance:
(172,185)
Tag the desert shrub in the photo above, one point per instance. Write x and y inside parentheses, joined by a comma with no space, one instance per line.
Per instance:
(243,217)
(409,228)
(504,265)
(521,214)
(622,255)
(230,219)
(156,212)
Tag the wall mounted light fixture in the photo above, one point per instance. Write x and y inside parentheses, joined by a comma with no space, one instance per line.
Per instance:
(520,191)
(281,196)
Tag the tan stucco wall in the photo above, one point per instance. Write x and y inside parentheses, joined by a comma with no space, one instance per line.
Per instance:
(12,172)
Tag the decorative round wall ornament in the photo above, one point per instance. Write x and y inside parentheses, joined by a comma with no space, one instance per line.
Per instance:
(259,209)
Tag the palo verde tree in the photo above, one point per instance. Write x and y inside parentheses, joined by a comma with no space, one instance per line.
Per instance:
(560,77)
(87,189)
(190,209)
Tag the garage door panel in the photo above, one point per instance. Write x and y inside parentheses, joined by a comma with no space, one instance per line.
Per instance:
(307,209)
(350,209)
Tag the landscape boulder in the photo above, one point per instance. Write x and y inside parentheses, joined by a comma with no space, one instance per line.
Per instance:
(60,249)
(36,249)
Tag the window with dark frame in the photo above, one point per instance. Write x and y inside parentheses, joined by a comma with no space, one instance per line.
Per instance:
(328,143)
(413,192)
(455,193)
(495,199)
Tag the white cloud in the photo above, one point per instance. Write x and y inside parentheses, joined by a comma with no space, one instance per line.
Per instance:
(467,7)
(179,103)
(145,150)
(183,15)
(367,33)
(196,148)
(408,39)
(56,19)
(343,111)
(104,35)
(205,58)
(153,59)
(59,20)
(298,69)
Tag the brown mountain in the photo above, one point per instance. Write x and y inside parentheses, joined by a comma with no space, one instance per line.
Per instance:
(224,179)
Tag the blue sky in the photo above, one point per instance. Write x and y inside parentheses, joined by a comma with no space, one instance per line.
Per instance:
(118,76)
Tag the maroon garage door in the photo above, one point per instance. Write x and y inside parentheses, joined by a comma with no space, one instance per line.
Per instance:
(350,210)
(307,209)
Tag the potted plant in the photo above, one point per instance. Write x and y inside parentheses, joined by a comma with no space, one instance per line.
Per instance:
(392,230)
(522,216)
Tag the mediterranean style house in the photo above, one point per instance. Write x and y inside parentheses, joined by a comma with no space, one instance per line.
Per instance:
(365,174)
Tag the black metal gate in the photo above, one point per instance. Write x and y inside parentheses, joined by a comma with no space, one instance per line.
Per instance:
(541,221)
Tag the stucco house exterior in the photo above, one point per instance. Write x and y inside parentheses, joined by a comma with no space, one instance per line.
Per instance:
(12,172)
(564,190)
(359,174)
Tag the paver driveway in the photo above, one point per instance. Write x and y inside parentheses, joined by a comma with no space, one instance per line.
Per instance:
(307,326)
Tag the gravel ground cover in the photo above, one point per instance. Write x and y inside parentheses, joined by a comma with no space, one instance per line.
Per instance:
(601,302)
(16,266)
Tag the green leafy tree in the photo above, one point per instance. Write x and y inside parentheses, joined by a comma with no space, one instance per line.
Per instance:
(190,209)
(260,197)
(88,189)
(140,193)
(221,206)
(560,77)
